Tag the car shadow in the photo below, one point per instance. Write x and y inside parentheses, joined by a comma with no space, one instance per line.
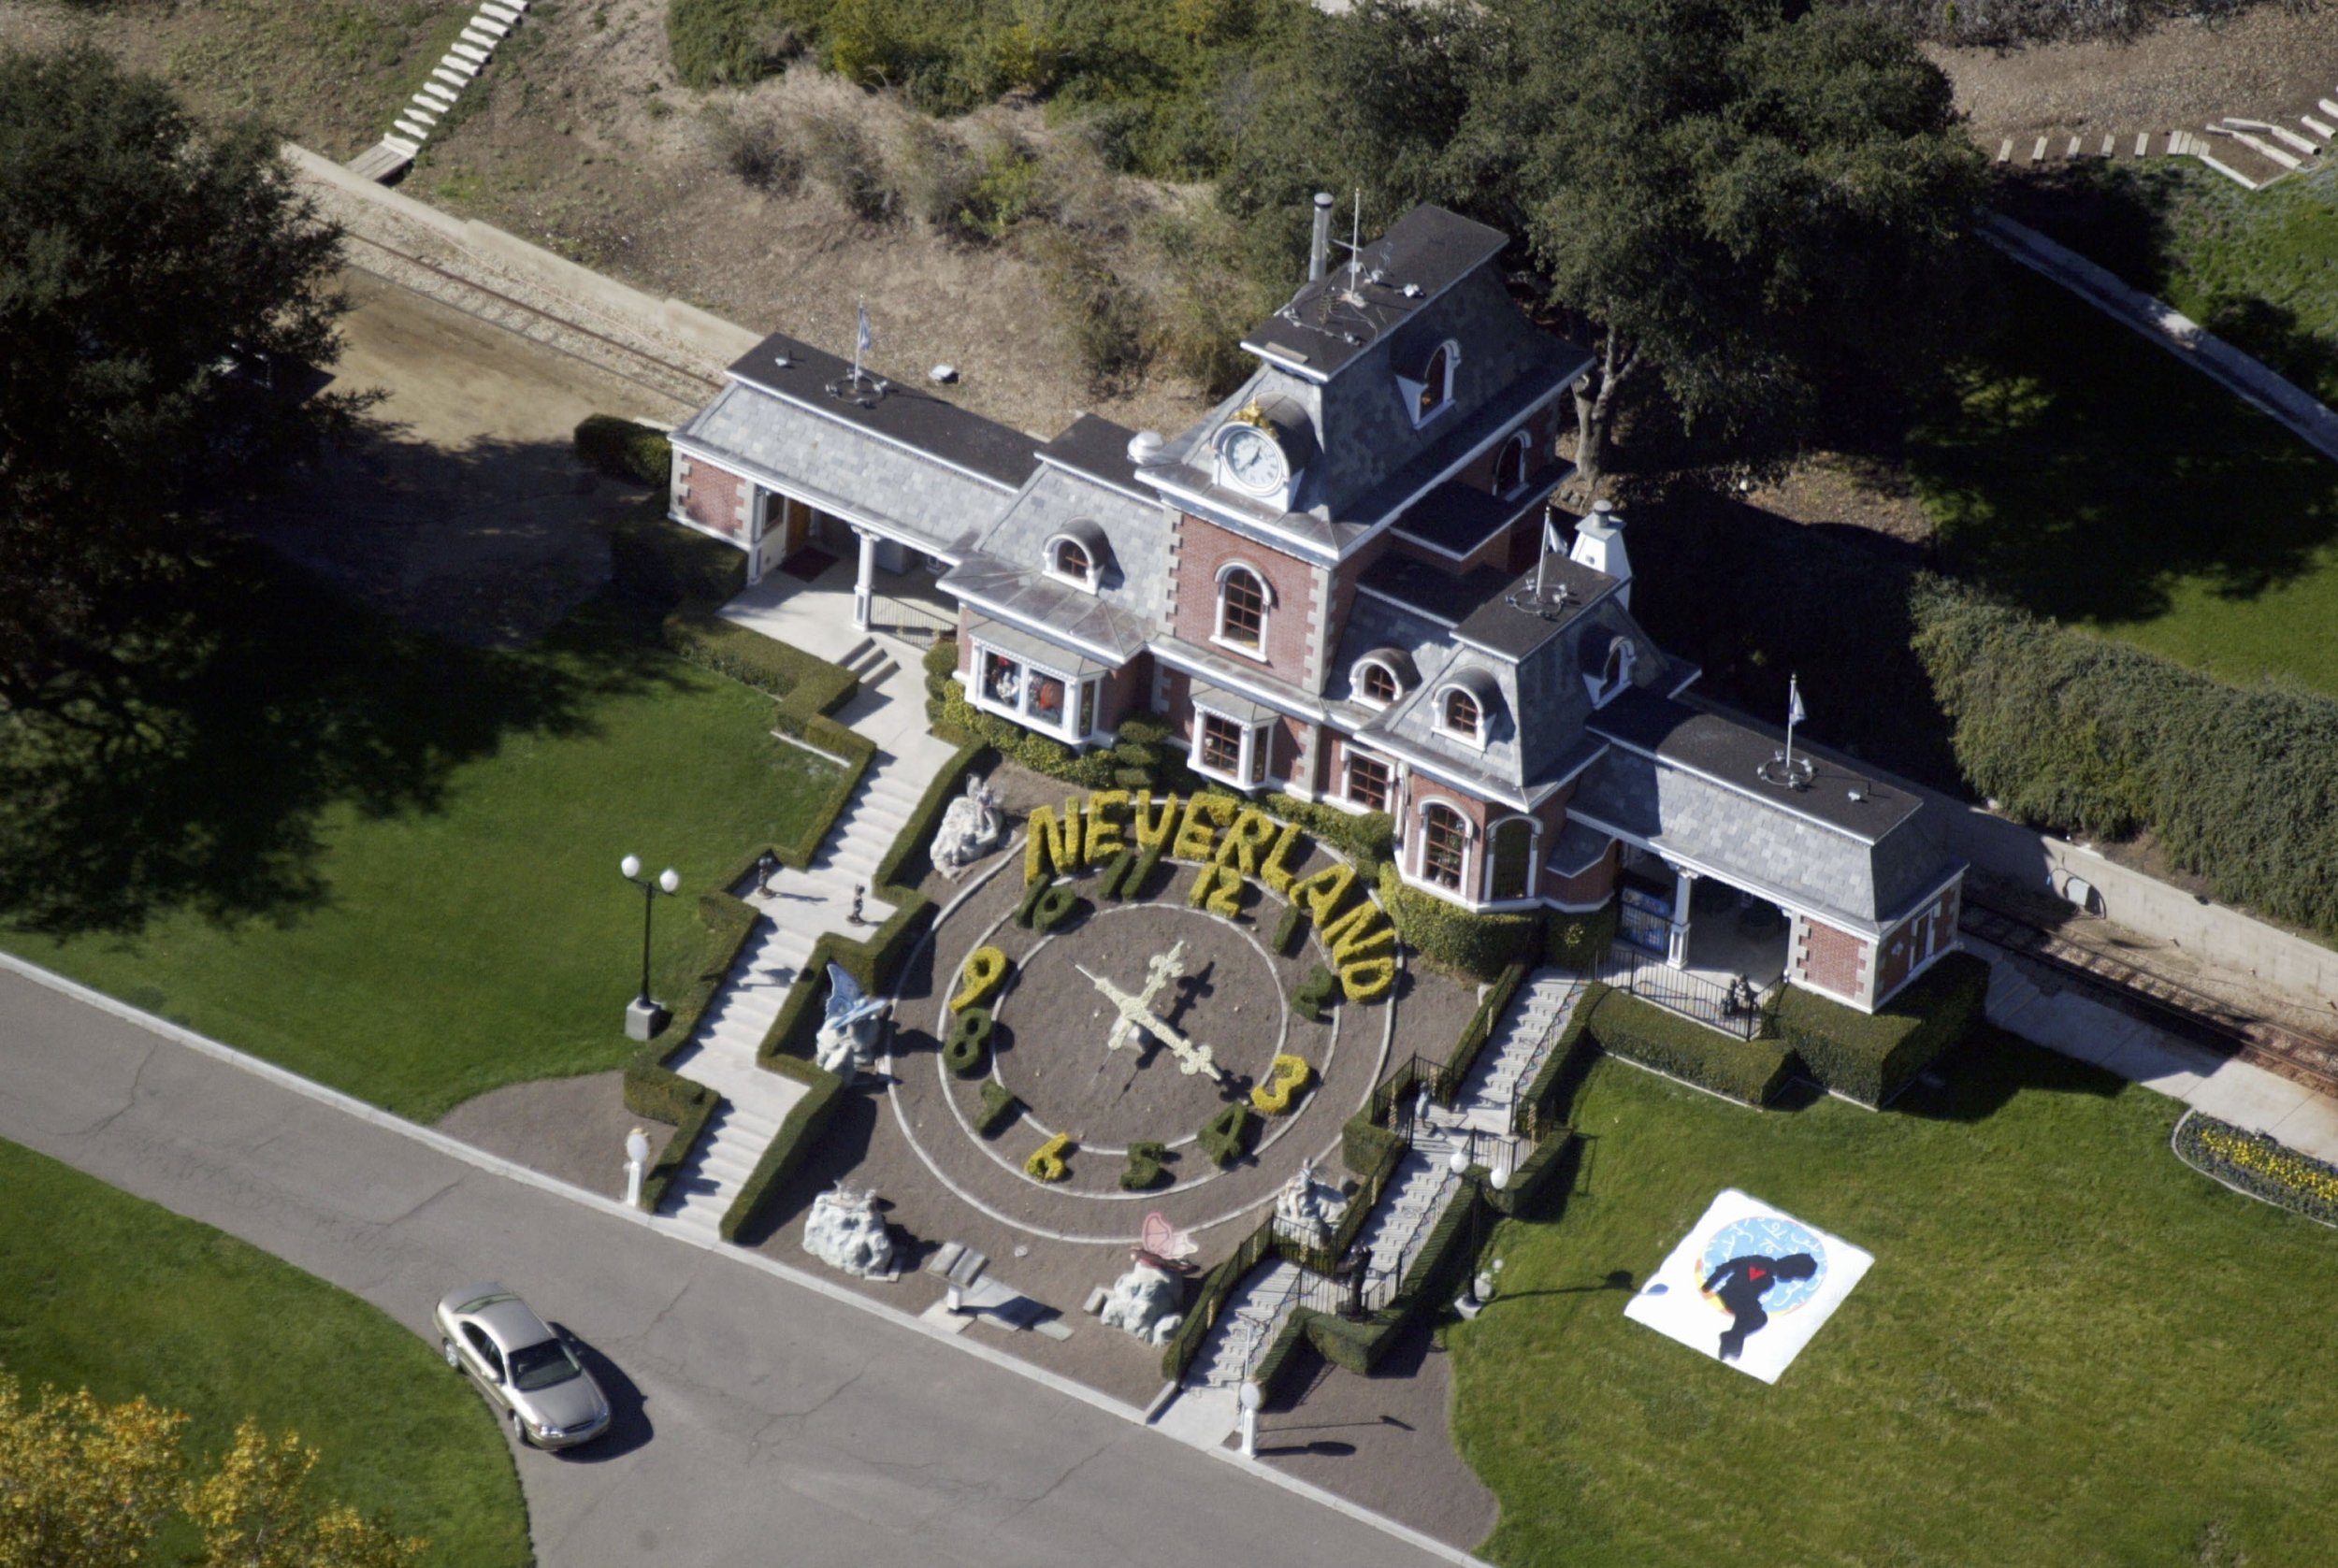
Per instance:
(629,1426)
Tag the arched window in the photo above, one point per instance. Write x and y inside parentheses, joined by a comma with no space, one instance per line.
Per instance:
(1509,465)
(1461,715)
(1513,862)
(1376,683)
(1617,673)
(1444,845)
(1241,608)
(1071,560)
(1436,382)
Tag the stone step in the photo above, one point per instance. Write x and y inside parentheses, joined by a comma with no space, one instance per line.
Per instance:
(439,90)
(471,52)
(2282,156)
(418,134)
(477,39)
(453,81)
(456,66)
(424,110)
(483,23)
(504,14)
(2279,133)
(400,145)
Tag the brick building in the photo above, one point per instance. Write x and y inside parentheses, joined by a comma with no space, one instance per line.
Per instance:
(1349,583)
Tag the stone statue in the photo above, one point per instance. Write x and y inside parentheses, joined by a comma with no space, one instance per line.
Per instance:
(1145,1302)
(970,829)
(846,1043)
(845,1232)
(1305,1210)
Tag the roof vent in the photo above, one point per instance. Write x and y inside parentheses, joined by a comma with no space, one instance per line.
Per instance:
(785,360)
(1143,446)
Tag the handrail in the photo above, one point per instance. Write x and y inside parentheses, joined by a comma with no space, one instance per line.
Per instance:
(910,620)
(1691,996)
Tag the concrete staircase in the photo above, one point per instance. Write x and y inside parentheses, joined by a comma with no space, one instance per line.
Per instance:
(1247,1325)
(463,61)
(2251,152)
(1507,1065)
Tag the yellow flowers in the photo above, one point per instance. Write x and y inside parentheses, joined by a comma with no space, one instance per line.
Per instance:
(1046,1162)
(2262,1156)
(986,970)
(1285,1078)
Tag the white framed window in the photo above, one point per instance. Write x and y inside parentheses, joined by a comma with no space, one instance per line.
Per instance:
(1366,782)
(1373,684)
(1461,713)
(1047,700)
(1431,392)
(1510,463)
(1510,858)
(1442,847)
(1244,601)
(1230,750)
(1077,557)
(1615,670)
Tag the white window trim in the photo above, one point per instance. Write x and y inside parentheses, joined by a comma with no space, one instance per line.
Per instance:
(1355,683)
(1087,584)
(1476,738)
(1414,386)
(1472,856)
(977,694)
(1255,732)
(1348,751)
(1265,615)
(1521,441)
(1534,859)
(1602,691)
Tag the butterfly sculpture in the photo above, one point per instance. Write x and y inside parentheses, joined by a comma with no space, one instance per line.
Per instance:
(1163,1241)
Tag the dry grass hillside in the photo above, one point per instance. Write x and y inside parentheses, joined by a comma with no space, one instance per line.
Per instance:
(996,244)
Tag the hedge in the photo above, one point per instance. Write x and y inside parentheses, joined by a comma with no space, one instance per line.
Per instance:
(998,1104)
(1748,1071)
(1453,937)
(658,563)
(2074,732)
(1367,838)
(688,1129)
(654,1090)
(1579,941)
(798,1133)
(1360,1346)
(624,450)
(1870,1058)
(1551,1098)
(1539,1172)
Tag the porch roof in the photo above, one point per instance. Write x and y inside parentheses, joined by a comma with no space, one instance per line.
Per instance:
(1052,656)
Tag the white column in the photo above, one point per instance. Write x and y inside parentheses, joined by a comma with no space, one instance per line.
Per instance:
(864,589)
(1676,949)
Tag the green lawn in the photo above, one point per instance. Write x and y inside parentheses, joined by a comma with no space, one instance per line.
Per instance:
(392,865)
(2091,477)
(2072,1350)
(103,1291)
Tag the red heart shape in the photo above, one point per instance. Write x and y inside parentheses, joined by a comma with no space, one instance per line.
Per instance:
(1757,1274)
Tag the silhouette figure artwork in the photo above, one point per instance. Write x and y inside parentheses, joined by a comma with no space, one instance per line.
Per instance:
(1739,1285)
(1749,1286)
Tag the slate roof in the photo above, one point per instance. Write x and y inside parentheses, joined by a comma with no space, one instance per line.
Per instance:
(1096,447)
(1331,320)
(842,468)
(1457,519)
(1006,570)
(909,416)
(1815,849)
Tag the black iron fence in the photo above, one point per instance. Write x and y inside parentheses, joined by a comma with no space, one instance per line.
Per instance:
(1735,1007)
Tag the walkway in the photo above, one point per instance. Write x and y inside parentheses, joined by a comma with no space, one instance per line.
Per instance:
(2030,1002)
(761,1412)
(889,709)
(2202,350)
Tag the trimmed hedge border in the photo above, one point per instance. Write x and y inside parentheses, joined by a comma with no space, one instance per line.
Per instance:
(1453,938)
(2259,1166)
(625,449)
(796,1134)
(1476,1033)
(1578,942)
(1746,1071)
(654,1090)
(1871,1057)
(1551,1098)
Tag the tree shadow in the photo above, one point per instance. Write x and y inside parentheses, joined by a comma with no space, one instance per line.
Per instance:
(191,761)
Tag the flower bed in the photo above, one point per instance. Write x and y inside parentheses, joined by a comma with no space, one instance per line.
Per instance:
(2259,1165)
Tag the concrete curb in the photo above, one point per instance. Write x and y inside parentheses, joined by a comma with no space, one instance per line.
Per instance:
(456,1149)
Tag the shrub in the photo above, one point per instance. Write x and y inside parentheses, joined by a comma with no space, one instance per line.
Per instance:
(1453,937)
(688,1128)
(1579,941)
(1315,994)
(755,151)
(842,155)
(998,1104)
(1870,1058)
(1046,1162)
(727,43)
(1226,1136)
(2259,1165)
(984,972)
(658,564)
(1551,1098)
(1285,1077)
(1476,1033)
(2074,732)
(624,450)
(798,1133)
(1053,905)
(1365,1146)
(1749,1070)
(969,1043)
(1144,1167)
(1287,929)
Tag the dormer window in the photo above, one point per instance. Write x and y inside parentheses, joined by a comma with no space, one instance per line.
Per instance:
(1462,715)
(1072,561)
(1509,463)
(1242,609)
(1433,389)
(1076,556)
(1374,684)
(1466,706)
(1616,674)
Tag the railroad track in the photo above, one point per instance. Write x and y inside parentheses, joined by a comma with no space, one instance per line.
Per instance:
(2302,1057)
(684,389)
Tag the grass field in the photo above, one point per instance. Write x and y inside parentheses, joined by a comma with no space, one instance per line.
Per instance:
(2072,1350)
(101,1289)
(2091,477)
(404,873)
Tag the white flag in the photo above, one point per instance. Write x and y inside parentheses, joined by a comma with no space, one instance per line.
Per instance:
(1793,690)
(867,339)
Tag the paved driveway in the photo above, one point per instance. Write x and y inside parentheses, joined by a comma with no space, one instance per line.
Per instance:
(760,1421)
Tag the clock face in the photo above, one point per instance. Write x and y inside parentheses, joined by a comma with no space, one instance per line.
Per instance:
(1253,458)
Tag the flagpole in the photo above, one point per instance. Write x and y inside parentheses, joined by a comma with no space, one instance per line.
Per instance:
(1794,712)
(859,330)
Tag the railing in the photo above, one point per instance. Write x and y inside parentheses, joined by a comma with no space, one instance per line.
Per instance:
(1726,1008)
(909,620)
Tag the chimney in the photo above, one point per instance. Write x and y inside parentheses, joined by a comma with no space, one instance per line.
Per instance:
(1319,252)
(1599,545)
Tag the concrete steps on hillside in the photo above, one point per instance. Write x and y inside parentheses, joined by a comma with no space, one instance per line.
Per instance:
(1246,1325)
(703,1190)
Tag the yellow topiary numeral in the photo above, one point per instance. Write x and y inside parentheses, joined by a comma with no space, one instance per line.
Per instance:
(1285,1078)
(985,970)
(1046,1162)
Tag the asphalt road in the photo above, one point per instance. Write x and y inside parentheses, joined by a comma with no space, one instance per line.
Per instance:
(759,1422)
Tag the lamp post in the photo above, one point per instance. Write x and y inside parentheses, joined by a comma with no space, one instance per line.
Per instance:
(643,1017)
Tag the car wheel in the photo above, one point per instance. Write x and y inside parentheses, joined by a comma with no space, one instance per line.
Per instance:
(519,1430)
(454,1357)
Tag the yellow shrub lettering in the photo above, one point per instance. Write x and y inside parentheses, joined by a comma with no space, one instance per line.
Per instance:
(1038,845)
(1275,873)
(1195,840)
(1251,832)
(1323,892)
(1104,829)
(1065,837)
(1153,828)
(1358,932)
(1367,979)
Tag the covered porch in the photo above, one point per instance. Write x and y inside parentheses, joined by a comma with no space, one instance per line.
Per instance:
(847,600)
(1696,946)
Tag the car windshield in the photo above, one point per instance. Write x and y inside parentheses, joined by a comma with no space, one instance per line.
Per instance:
(540,1366)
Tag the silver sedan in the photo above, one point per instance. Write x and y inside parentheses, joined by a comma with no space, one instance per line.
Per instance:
(552,1400)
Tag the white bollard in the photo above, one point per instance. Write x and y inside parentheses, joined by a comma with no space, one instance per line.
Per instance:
(636,1164)
(1250,1398)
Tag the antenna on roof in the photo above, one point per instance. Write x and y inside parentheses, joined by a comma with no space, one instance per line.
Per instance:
(1353,244)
